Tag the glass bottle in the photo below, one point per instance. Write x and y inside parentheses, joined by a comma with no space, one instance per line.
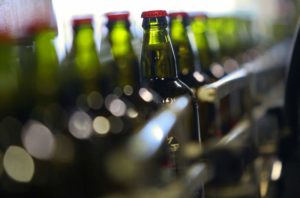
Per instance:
(207,43)
(188,72)
(82,76)
(9,76)
(159,68)
(127,84)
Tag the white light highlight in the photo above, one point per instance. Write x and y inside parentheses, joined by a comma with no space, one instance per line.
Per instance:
(276,170)
(101,125)
(146,95)
(80,125)
(18,164)
(38,140)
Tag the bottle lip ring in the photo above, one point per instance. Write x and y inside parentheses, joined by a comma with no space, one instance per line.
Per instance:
(115,16)
(82,20)
(176,14)
(154,13)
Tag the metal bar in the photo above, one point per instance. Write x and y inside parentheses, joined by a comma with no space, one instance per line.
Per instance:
(221,88)
(268,69)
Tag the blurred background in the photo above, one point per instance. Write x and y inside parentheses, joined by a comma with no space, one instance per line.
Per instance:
(74,123)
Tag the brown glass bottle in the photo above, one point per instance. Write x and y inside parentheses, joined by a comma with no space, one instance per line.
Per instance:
(159,69)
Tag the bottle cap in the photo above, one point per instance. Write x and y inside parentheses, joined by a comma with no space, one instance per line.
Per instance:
(82,20)
(115,16)
(154,14)
(178,14)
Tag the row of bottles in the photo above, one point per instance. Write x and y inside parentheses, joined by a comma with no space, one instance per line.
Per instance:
(62,120)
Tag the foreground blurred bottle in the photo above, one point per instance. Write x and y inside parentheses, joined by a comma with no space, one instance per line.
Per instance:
(159,69)
(188,71)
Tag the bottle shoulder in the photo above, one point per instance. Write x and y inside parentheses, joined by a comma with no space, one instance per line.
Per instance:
(169,87)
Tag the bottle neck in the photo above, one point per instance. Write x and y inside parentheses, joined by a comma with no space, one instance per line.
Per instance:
(182,46)
(157,60)
(120,38)
(84,52)
(46,63)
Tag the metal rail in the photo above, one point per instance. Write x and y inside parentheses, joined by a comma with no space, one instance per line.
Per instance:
(261,73)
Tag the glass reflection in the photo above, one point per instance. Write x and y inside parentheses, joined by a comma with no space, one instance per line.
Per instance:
(149,139)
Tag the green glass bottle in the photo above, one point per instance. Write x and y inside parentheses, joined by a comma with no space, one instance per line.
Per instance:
(159,69)
(199,28)
(82,75)
(47,108)
(9,76)
(120,39)
(188,72)
(127,76)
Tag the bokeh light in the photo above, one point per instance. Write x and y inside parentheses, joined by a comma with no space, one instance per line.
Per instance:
(18,164)
(117,107)
(101,125)
(38,140)
(146,95)
(80,125)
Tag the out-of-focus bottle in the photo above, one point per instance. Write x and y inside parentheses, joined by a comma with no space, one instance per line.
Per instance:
(187,68)
(9,76)
(127,76)
(82,76)
(120,39)
(207,43)
(47,108)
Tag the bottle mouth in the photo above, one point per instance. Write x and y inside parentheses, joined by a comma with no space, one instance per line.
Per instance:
(115,16)
(154,14)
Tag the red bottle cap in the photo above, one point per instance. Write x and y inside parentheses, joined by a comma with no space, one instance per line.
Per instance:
(115,16)
(176,14)
(154,14)
(82,20)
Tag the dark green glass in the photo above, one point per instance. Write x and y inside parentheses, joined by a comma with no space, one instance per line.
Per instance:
(188,73)
(159,69)
(9,76)
(127,75)
(81,73)
(120,39)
